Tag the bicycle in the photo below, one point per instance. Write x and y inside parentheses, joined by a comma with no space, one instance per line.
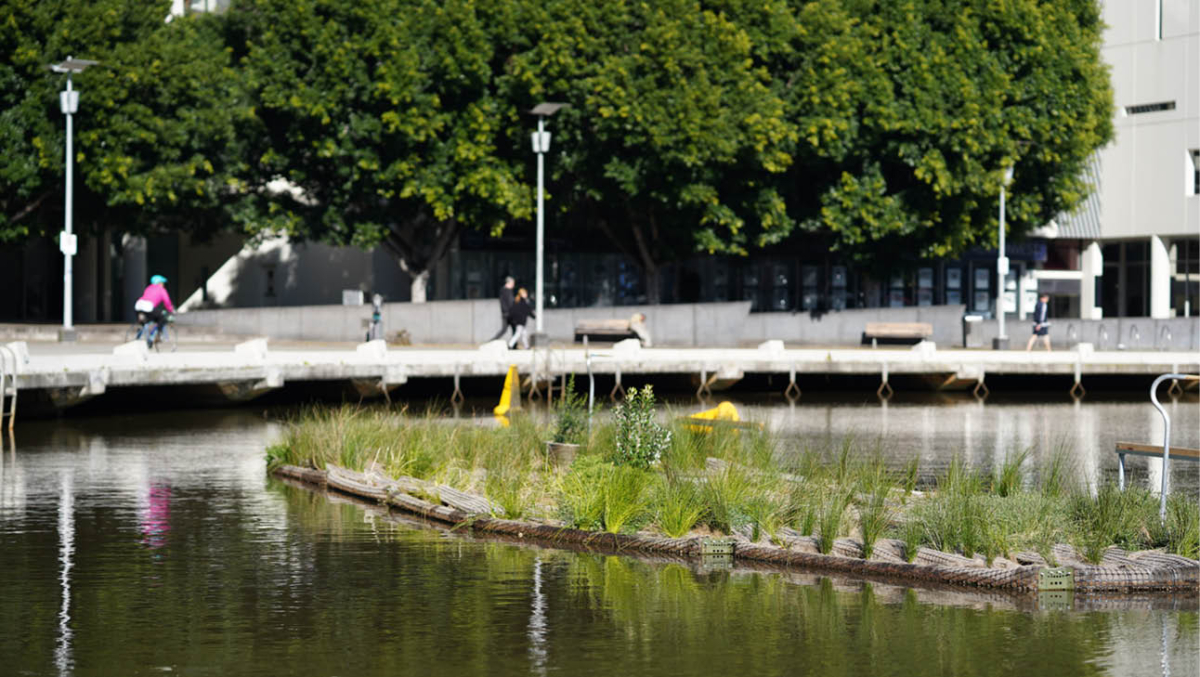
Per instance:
(156,335)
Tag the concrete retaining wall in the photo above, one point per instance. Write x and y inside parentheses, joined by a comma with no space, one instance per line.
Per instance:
(685,324)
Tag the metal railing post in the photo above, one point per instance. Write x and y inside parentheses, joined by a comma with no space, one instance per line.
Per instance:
(1166,469)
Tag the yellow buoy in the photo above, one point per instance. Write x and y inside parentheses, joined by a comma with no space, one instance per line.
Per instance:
(510,397)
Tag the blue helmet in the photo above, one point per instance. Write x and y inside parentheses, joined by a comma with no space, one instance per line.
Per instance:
(158,279)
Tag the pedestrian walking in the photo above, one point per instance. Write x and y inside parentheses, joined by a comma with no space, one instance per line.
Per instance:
(1041,322)
(517,317)
(506,304)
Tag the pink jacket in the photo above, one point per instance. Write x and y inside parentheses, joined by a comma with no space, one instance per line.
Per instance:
(157,294)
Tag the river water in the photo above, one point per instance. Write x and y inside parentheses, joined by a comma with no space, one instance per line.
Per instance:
(156,544)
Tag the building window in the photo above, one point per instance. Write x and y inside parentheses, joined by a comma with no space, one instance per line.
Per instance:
(1149,107)
(1194,174)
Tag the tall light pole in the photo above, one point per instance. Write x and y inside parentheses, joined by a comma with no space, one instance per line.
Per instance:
(541,145)
(68,101)
(1001,340)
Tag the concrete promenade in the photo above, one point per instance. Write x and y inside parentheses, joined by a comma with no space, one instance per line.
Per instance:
(69,374)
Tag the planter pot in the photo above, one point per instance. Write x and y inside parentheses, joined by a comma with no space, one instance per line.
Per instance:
(561,454)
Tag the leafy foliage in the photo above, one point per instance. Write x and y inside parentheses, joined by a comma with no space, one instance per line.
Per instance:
(155,135)
(640,440)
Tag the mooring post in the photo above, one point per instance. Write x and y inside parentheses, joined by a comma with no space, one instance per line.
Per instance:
(457,396)
(792,391)
(885,385)
(617,387)
(980,385)
(1077,390)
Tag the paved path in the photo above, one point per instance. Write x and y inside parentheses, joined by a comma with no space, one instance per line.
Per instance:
(74,372)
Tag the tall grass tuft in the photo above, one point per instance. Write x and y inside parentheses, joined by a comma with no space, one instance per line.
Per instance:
(830,516)
(581,493)
(624,497)
(1183,526)
(678,506)
(725,493)
(1056,475)
(1008,478)
(874,514)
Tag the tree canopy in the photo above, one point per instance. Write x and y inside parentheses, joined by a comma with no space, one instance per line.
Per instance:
(154,135)
(877,128)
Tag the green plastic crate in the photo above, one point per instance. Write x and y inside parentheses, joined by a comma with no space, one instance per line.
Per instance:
(1061,578)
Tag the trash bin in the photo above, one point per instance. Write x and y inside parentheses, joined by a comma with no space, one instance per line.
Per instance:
(972,334)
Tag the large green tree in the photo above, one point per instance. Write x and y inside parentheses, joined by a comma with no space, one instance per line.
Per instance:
(154,136)
(910,111)
(379,123)
(674,140)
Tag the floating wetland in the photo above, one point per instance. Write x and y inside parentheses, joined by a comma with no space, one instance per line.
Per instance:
(716,495)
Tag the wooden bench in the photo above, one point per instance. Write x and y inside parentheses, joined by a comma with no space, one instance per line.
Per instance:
(614,329)
(899,332)
(605,330)
(1151,450)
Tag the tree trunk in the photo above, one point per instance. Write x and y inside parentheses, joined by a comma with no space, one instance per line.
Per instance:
(653,283)
(420,282)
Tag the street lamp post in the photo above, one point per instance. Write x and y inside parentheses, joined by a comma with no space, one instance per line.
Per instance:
(541,145)
(68,101)
(1001,340)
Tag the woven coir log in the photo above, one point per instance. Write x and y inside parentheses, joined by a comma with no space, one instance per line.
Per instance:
(1118,571)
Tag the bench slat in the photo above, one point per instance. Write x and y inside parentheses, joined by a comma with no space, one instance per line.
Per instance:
(898,329)
(1155,450)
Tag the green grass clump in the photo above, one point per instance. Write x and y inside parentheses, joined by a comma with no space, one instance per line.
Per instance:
(581,493)
(678,506)
(830,515)
(874,513)
(1183,526)
(625,502)
(1008,478)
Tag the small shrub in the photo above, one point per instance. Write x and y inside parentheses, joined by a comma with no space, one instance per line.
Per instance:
(571,416)
(640,440)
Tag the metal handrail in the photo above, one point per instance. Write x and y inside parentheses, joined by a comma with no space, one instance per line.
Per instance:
(1166,469)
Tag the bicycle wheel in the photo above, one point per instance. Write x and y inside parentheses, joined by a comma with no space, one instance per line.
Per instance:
(169,337)
(133,332)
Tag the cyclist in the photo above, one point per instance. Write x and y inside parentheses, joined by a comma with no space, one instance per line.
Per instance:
(155,304)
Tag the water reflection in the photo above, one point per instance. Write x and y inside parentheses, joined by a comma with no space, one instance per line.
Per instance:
(247,574)
(66,560)
(985,433)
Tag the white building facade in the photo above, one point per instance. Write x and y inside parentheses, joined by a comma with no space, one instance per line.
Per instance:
(1141,243)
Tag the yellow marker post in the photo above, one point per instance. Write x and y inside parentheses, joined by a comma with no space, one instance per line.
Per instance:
(510,397)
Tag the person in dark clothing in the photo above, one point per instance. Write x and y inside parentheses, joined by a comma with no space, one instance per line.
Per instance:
(517,317)
(1041,323)
(506,303)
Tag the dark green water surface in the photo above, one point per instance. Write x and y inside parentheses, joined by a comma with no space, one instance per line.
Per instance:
(157,545)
